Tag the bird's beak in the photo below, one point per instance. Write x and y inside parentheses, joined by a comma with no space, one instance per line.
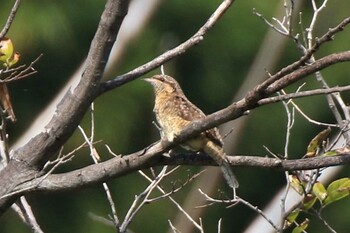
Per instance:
(151,81)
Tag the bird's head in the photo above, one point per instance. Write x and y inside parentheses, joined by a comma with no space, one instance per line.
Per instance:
(164,84)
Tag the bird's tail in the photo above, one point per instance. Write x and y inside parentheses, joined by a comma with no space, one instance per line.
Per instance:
(218,154)
(228,174)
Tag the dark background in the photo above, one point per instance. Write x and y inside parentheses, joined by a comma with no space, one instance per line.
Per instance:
(210,74)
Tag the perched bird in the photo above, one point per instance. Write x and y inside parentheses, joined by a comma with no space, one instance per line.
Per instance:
(174,112)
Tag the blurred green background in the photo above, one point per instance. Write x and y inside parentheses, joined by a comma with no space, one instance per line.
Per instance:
(209,73)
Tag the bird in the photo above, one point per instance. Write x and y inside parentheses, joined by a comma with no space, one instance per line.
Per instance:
(174,112)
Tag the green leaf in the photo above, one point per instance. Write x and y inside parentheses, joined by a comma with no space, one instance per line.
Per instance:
(339,151)
(337,190)
(308,201)
(316,142)
(296,184)
(6,49)
(320,191)
(7,54)
(301,227)
(13,60)
(291,218)
(330,153)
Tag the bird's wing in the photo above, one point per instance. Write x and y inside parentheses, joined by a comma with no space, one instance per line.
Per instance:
(190,112)
(187,110)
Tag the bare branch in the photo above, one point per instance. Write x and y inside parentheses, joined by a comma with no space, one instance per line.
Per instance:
(309,119)
(31,157)
(117,167)
(173,228)
(259,211)
(307,70)
(20,72)
(319,216)
(10,19)
(198,226)
(136,161)
(302,94)
(28,215)
(310,29)
(180,49)
(304,59)
(141,200)
(95,157)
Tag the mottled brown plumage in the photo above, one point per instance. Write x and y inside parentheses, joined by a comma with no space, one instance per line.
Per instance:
(174,112)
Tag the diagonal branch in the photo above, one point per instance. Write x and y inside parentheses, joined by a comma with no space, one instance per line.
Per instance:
(301,94)
(30,158)
(78,99)
(250,101)
(306,58)
(307,70)
(177,51)
(10,19)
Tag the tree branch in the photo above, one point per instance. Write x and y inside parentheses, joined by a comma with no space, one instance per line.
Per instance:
(120,166)
(177,51)
(302,94)
(306,58)
(307,70)
(251,100)
(28,160)
(10,19)
(148,157)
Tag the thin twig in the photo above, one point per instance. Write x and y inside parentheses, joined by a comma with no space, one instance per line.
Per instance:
(219,225)
(141,200)
(319,216)
(309,119)
(236,201)
(10,19)
(284,97)
(175,190)
(290,123)
(305,58)
(20,72)
(28,215)
(257,210)
(173,228)
(310,29)
(96,159)
(4,149)
(198,226)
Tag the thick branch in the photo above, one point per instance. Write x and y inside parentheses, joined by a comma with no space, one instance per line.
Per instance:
(71,109)
(307,70)
(117,167)
(143,159)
